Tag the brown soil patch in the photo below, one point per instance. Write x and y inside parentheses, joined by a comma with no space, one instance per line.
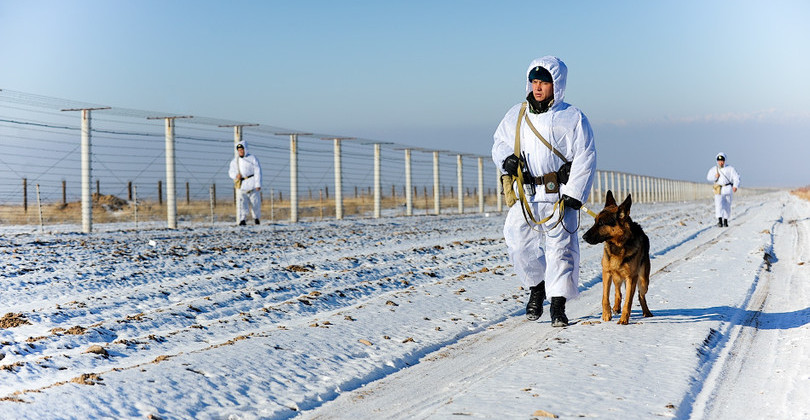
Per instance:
(297,268)
(87,379)
(11,320)
(161,358)
(76,330)
(96,349)
(12,398)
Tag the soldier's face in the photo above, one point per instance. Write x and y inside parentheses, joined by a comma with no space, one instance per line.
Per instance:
(542,90)
(241,152)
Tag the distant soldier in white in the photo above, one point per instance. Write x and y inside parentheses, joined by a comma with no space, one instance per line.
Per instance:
(726,181)
(247,177)
(557,172)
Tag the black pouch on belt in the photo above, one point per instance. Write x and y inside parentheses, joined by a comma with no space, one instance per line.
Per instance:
(563,173)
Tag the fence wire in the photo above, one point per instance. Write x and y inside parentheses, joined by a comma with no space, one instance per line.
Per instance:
(40,147)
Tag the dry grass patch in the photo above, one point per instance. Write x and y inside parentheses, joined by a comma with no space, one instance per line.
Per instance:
(803,193)
(113,209)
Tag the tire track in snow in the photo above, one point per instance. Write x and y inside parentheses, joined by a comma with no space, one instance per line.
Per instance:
(735,386)
(436,380)
(719,343)
(388,269)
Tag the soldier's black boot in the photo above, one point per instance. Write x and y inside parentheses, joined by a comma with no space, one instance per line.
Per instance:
(725,222)
(534,309)
(719,222)
(558,318)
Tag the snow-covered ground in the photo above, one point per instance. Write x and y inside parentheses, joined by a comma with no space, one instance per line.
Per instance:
(416,317)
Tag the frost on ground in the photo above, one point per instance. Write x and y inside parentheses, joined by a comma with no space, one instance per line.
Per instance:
(416,317)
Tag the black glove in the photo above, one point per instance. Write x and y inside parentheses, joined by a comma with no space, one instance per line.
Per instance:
(571,202)
(510,165)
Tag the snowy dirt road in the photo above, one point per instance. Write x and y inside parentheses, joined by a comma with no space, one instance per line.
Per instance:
(415,317)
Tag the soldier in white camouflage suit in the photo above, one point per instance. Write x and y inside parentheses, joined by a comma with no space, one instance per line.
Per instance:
(248,195)
(546,257)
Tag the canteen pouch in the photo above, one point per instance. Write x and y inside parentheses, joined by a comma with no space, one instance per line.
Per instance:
(717,188)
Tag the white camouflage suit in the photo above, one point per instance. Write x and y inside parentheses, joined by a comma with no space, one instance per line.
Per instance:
(549,252)
(729,179)
(248,196)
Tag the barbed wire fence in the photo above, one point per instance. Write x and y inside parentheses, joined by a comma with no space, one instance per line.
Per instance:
(41,152)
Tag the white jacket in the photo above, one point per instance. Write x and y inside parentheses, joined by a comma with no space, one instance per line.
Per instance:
(564,126)
(248,167)
(728,178)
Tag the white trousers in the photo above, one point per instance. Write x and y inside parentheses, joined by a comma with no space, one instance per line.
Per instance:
(722,206)
(248,200)
(544,252)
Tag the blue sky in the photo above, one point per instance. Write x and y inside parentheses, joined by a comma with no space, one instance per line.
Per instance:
(666,84)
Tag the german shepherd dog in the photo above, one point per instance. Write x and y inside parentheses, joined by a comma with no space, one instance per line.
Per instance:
(626,257)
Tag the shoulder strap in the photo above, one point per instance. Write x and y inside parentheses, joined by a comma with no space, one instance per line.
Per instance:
(537,133)
(723,174)
(524,203)
(517,129)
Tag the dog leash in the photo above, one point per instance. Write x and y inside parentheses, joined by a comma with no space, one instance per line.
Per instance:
(589,211)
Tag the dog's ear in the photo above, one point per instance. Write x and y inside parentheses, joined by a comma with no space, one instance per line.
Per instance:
(624,208)
(609,200)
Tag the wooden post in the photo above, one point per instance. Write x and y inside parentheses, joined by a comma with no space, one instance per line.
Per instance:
(39,208)
(320,194)
(211,202)
(25,195)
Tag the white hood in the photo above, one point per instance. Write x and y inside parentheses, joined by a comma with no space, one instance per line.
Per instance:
(559,74)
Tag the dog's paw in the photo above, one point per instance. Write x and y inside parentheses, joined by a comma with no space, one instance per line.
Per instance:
(606,316)
(623,321)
